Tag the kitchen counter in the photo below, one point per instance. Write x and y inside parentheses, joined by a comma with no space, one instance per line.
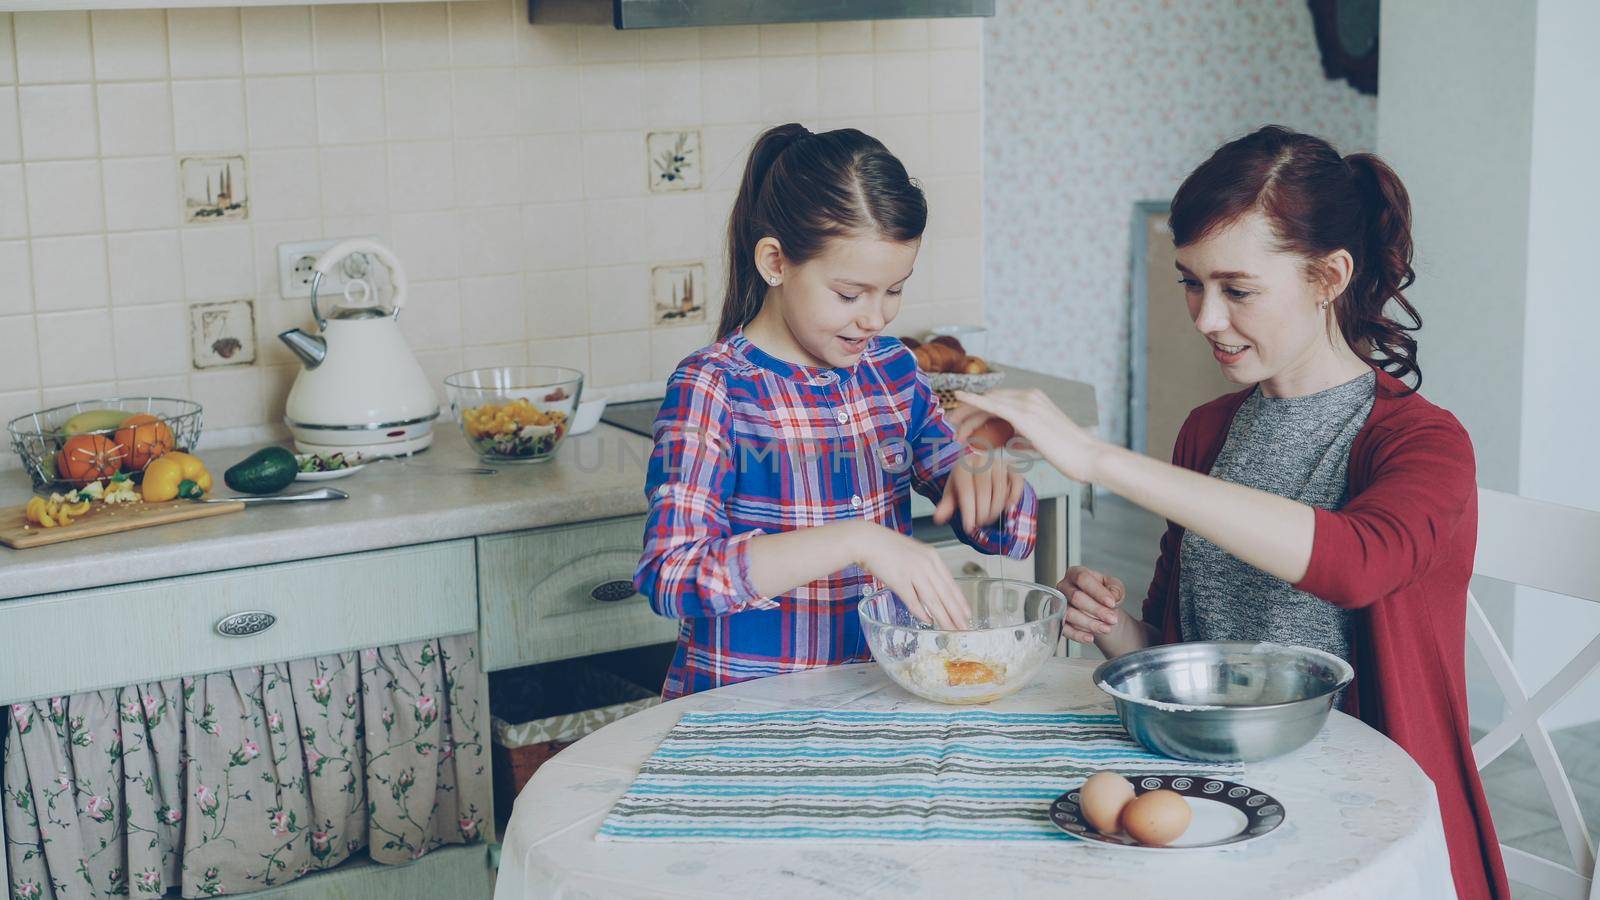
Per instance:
(597,475)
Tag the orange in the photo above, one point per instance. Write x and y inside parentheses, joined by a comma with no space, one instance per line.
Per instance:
(143,438)
(88,457)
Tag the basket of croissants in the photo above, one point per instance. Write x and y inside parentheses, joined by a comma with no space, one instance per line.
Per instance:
(950,368)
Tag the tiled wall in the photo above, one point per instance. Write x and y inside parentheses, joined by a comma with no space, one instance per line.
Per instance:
(505,163)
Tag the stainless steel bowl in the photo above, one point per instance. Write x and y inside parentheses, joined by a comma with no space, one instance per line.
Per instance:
(1220,701)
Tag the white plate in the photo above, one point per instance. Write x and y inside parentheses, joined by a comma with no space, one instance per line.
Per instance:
(325,476)
(1226,814)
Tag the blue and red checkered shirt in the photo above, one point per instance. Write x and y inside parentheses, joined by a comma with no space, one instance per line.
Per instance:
(748,444)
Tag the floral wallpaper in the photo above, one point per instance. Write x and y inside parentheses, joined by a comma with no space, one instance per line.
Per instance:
(1091,106)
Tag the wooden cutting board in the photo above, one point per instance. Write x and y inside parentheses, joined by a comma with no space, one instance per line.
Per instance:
(16,531)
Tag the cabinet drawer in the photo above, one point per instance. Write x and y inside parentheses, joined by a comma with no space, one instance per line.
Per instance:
(540,594)
(108,637)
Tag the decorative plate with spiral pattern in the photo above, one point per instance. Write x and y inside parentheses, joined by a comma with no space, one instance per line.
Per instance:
(1226,814)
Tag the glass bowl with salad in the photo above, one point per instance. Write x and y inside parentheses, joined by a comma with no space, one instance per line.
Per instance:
(514,413)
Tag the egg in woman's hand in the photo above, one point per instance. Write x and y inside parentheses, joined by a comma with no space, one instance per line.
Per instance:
(1102,799)
(1156,818)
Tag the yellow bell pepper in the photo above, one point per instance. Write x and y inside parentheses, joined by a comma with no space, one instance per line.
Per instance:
(161,479)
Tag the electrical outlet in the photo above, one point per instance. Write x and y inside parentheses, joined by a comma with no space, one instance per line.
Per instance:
(296,264)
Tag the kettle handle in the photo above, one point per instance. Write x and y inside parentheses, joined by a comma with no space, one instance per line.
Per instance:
(337,253)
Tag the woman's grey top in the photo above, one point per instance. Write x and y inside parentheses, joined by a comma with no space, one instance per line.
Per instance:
(1295,447)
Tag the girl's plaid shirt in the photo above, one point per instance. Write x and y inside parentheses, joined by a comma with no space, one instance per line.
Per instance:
(747,444)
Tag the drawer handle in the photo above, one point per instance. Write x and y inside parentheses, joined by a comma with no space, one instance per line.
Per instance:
(612,591)
(972,568)
(245,624)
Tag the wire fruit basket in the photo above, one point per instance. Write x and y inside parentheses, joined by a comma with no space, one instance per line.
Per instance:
(40,437)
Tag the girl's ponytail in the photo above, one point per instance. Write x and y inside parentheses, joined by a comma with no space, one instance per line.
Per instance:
(803,189)
(742,300)
(1386,274)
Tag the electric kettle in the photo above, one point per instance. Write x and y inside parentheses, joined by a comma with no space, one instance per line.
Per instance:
(361,390)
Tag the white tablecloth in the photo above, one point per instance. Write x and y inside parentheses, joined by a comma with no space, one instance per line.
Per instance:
(1363,821)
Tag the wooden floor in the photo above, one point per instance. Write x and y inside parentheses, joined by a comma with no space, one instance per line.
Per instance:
(1122,540)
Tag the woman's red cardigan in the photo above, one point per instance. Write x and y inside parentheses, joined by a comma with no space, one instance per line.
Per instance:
(1400,554)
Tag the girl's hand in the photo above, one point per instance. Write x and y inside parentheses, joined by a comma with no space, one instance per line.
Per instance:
(1041,423)
(916,574)
(1092,601)
(982,487)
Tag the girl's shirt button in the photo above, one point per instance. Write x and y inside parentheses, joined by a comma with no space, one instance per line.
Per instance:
(856,501)
(843,417)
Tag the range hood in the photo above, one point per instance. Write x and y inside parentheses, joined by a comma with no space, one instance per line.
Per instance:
(698,13)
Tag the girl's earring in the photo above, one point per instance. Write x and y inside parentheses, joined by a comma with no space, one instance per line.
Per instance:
(773,280)
(1325,305)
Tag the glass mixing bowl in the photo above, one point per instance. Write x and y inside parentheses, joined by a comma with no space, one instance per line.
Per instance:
(1015,628)
(515,413)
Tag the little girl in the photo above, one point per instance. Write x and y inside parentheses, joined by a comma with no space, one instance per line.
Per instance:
(785,452)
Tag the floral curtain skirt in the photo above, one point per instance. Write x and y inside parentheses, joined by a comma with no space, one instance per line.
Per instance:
(236,781)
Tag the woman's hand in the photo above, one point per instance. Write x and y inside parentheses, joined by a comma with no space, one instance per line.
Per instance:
(1093,599)
(1039,422)
(982,487)
(916,574)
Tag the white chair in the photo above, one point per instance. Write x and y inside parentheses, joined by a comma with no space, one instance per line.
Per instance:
(1557,549)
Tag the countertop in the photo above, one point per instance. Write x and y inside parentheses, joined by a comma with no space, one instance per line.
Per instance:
(596,475)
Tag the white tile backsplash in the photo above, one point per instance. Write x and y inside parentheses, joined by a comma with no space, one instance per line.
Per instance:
(19,353)
(671,93)
(355,180)
(129,44)
(58,121)
(204,43)
(490,240)
(76,347)
(481,34)
(422,176)
(208,116)
(347,38)
(146,267)
(493,311)
(350,109)
(418,102)
(284,184)
(13,203)
(559,303)
(282,111)
(141,193)
(10,133)
(614,165)
(506,165)
(16,274)
(135,118)
(277,40)
(485,102)
(411,36)
(151,340)
(488,171)
(53,47)
(218,263)
(64,197)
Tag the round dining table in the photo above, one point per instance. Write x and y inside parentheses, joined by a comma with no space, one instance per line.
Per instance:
(1362,821)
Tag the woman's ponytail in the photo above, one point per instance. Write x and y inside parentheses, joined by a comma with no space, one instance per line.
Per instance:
(1385,274)
(803,189)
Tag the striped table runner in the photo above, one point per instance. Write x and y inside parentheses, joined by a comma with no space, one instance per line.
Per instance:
(819,775)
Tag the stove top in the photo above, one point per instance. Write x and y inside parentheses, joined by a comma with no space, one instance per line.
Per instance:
(638,416)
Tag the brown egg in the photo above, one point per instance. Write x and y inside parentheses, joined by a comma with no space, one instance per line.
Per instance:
(993,434)
(1102,799)
(1156,818)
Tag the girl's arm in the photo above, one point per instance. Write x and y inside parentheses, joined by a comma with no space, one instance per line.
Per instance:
(948,472)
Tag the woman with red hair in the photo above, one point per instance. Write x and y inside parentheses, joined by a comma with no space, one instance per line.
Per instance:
(1327,504)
